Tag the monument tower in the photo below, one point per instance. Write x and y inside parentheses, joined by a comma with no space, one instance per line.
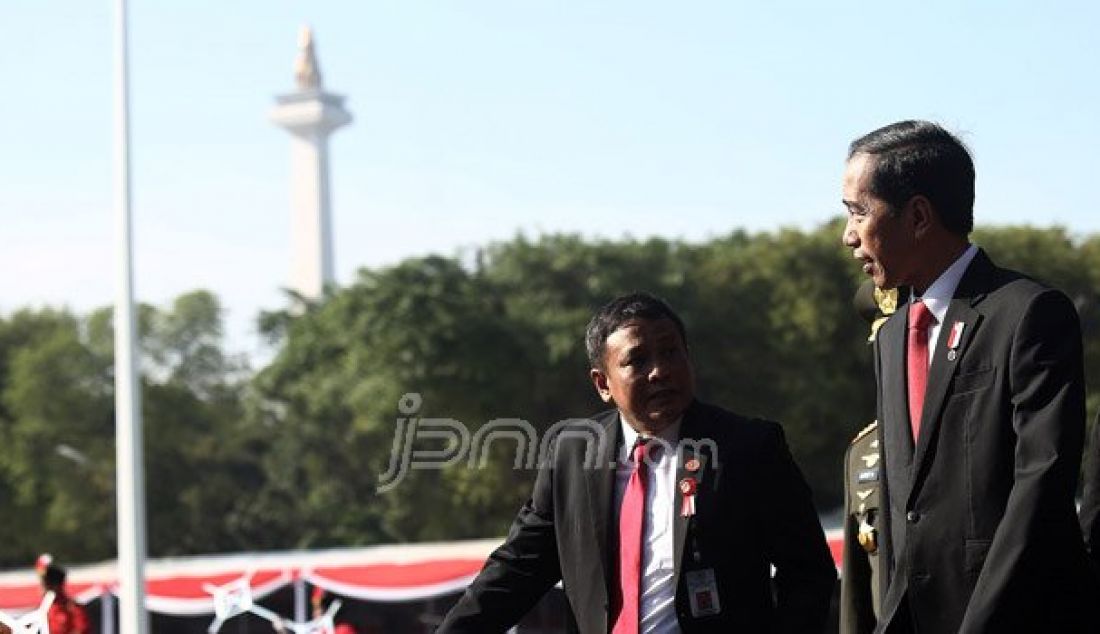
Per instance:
(310,115)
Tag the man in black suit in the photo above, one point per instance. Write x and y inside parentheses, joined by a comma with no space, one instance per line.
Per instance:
(980,402)
(723,503)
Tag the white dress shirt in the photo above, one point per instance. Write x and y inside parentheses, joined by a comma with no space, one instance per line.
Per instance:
(938,296)
(658,594)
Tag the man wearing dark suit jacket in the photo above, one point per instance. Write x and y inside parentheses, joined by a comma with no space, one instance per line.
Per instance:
(980,401)
(724,502)
(1090,505)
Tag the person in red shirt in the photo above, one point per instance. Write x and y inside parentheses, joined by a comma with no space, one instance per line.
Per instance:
(65,616)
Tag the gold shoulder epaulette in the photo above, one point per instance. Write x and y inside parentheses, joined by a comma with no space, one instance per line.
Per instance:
(866,430)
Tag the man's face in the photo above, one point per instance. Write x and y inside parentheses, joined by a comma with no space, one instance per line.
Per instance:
(884,243)
(646,373)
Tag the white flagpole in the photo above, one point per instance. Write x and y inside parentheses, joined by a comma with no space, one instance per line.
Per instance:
(129,471)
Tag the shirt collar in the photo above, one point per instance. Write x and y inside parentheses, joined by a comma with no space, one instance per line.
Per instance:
(938,296)
(670,434)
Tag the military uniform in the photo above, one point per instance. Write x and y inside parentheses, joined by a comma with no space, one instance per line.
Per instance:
(866,541)
(862,581)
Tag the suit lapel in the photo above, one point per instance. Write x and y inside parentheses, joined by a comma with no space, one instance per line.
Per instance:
(944,363)
(601,487)
(944,366)
(895,404)
(689,430)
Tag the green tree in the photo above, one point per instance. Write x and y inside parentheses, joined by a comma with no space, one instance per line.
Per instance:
(292,456)
(329,402)
(55,401)
(57,420)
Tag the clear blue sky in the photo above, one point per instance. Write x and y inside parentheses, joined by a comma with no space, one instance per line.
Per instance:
(479,119)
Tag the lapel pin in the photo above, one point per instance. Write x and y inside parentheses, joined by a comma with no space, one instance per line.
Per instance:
(692,465)
(688,487)
(953,340)
(867,537)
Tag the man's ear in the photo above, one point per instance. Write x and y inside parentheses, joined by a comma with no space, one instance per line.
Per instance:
(922,214)
(599,379)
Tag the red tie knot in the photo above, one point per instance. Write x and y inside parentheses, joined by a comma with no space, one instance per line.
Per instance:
(638,453)
(920,318)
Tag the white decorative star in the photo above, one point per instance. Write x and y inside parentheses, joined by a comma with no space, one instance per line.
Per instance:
(230,600)
(36,622)
(235,598)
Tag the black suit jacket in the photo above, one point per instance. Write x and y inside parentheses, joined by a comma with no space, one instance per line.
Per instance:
(1090,506)
(981,510)
(753,510)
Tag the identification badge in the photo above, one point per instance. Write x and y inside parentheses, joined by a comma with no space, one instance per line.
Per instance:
(702,592)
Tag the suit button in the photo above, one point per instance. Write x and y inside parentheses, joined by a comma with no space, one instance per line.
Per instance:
(912,517)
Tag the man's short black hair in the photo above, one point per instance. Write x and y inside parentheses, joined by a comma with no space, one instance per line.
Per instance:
(620,311)
(920,158)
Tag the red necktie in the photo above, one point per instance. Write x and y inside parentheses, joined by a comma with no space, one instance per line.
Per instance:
(920,318)
(631,521)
